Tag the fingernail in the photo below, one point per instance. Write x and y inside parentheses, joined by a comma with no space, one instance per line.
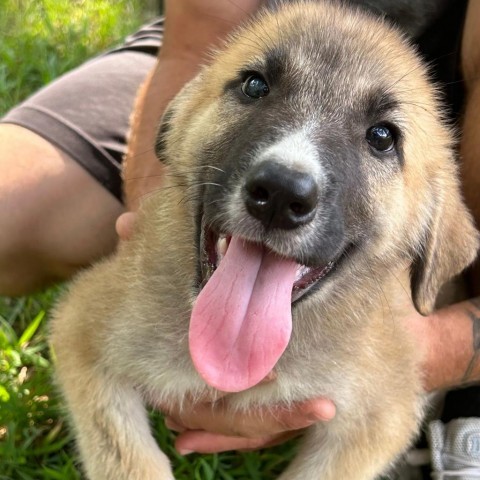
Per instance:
(184,451)
(323,411)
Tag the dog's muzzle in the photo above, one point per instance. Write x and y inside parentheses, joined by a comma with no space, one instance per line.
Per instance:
(242,319)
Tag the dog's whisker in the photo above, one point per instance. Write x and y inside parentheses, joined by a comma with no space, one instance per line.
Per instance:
(213,202)
(212,184)
(213,167)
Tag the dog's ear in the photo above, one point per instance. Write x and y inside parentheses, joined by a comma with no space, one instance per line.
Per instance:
(172,111)
(450,245)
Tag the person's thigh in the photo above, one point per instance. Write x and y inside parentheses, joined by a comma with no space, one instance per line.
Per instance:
(60,171)
(55,216)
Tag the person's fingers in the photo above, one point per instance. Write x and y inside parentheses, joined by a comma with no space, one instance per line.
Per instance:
(217,418)
(306,413)
(205,442)
(125,225)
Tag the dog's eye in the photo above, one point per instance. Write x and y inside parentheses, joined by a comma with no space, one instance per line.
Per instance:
(255,86)
(381,138)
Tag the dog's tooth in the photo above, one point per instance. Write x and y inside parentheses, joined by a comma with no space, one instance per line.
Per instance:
(298,276)
(222,246)
(301,271)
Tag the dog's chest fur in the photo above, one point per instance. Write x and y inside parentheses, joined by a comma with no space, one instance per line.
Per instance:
(337,344)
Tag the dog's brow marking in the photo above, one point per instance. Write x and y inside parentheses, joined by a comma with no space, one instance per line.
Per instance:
(380,104)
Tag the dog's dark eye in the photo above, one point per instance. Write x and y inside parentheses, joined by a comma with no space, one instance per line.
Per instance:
(255,86)
(381,138)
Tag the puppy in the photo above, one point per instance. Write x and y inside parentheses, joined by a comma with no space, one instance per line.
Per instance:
(311,186)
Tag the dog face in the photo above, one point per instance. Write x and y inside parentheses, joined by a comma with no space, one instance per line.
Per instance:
(320,146)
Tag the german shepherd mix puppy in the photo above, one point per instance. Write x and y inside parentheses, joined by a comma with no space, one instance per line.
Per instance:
(312,185)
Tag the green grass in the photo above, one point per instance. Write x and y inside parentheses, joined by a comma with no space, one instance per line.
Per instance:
(40,40)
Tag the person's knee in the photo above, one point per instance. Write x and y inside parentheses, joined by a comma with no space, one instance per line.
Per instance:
(55,217)
(22,275)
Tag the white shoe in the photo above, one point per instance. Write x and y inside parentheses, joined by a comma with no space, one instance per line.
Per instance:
(455,449)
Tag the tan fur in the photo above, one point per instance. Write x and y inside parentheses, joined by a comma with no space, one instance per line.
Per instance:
(120,335)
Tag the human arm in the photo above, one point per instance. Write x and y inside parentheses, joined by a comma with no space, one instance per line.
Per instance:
(192,28)
(450,343)
(470,141)
(450,337)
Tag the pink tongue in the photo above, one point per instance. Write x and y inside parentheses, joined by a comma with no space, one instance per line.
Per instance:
(241,321)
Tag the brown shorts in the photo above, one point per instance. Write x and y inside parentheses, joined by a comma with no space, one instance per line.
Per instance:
(86,112)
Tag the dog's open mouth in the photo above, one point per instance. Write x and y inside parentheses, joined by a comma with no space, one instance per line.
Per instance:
(241,321)
(214,248)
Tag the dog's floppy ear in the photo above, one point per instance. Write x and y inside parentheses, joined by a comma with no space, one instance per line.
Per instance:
(450,245)
(169,115)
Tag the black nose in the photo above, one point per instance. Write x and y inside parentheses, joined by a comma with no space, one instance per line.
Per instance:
(280,197)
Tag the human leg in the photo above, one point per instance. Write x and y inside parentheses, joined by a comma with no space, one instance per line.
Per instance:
(60,186)
(55,217)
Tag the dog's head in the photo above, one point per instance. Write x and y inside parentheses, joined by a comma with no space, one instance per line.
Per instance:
(314,148)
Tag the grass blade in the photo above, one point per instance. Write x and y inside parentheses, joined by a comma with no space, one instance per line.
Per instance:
(31,329)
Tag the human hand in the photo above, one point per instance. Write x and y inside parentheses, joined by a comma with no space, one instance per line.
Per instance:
(125,225)
(211,427)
